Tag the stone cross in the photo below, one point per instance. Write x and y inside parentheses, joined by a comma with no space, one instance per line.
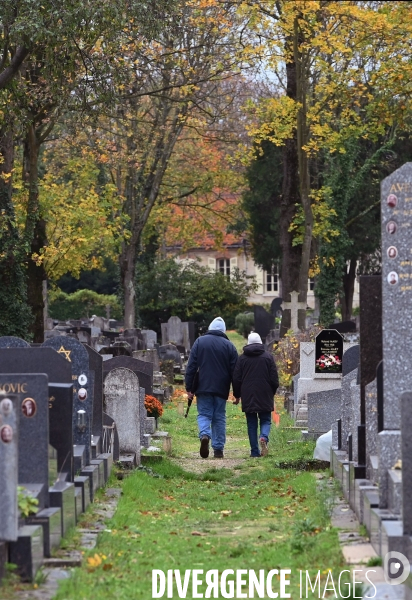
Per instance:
(294,306)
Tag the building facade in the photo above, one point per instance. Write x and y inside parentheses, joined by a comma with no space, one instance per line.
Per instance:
(237,255)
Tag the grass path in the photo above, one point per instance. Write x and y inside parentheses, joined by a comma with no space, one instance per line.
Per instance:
(236,513)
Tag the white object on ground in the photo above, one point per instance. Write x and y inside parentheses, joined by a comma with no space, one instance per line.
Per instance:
(323,446)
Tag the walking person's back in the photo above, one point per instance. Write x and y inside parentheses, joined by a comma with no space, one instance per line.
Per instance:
(211,363)
(255,381)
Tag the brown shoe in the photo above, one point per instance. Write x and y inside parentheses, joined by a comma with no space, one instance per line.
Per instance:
(263,447)
(219,454)
(204,446)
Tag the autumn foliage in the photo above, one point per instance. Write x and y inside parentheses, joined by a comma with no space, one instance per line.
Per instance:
(153,406)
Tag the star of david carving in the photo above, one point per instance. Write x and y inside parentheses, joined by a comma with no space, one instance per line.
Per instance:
(66,353)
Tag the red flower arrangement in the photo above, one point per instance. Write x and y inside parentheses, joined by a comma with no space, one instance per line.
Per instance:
(153,406)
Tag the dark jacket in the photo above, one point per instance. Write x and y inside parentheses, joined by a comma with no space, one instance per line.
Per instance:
(215,357)
(255,379)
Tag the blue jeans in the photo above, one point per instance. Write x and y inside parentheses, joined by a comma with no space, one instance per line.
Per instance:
(211,419)
(265,419)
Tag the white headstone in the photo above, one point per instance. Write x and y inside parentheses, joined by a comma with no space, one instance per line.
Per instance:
(122,395)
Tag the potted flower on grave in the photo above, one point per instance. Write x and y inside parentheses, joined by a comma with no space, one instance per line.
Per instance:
(153,406)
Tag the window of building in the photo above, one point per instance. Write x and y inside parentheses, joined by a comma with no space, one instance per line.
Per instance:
(223,266)
(272,280)
(311,284)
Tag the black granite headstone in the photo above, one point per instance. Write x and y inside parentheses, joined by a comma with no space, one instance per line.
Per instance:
(370,304)
(344,326)
(350,360)
(96,365)
(144,370)
(8,341)
(76,354)
(328,351)
(61,425)
(33,413)
(264,321)
(276,307)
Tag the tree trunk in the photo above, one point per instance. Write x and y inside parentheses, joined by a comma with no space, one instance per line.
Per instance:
(127,264)
(291,255)
(35,233)
(348,290)
(304,183)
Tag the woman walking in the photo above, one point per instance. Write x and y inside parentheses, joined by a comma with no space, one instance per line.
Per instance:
(255,381)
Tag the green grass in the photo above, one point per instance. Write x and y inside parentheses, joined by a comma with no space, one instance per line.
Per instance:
(238,340)
(252,516)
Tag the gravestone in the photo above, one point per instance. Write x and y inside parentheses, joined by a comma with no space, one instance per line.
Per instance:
(9,451)
(406,429)
(344,326)
(58,370)
(346,408)
(323,410)
(396,213)
(170,352)
(276,307)
(96,366)
(371,425)
(143,370)
(150,337)
(350,360)
(13,342)
(32,407)
(110,437)
(61,426)
(328,352)
(143,415)
(263,320)
(370,326)
(149,355)
(122,398)
(76,355)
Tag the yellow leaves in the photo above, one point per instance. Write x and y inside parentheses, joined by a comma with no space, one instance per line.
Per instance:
(94,561)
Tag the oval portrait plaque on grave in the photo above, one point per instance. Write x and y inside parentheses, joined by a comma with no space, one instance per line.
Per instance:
(29,407)
(328,351)
(6,434)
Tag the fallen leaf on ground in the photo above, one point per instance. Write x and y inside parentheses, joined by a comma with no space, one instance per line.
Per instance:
(199,533)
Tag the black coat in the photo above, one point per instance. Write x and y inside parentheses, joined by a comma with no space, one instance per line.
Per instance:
(215,356)
(255,379)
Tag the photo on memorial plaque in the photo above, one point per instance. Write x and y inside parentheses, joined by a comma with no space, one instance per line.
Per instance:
(6,434)
(391,227)
(6,406)
(328,351)
(392,201)
(393,278)
(392,252)
(29,407)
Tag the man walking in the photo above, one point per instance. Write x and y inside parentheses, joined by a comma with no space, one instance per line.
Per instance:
(209,375)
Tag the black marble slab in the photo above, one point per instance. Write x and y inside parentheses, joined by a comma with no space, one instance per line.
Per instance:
(83,483)
(27,551)
(50,519)
(62,496)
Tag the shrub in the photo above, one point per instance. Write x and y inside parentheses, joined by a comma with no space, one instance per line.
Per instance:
(287,354)
(83,303)
(244,323)
(189,291)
